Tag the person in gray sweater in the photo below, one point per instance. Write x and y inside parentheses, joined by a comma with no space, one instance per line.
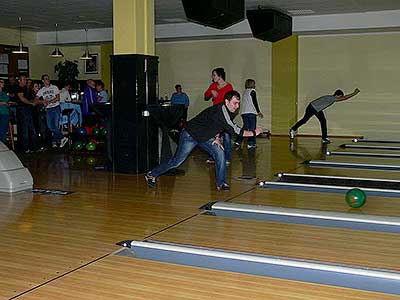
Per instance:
(316,107)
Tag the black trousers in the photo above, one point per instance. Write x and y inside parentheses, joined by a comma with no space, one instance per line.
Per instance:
(26,132)
(310,111)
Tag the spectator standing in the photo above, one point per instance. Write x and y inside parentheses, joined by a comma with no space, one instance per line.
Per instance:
(102,96)
(180,98)
(25,128)
(89,97)
(51,100)
(39,117)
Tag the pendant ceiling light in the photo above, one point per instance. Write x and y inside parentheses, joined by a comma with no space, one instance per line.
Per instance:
(86,54)
(20,49)
(57,52)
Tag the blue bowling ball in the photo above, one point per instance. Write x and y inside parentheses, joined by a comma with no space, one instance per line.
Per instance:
(81,131)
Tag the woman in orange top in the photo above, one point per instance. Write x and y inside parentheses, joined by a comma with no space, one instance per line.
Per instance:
(216,91)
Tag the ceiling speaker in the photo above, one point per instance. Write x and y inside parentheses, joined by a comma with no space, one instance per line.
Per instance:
(269,24)
(218,14)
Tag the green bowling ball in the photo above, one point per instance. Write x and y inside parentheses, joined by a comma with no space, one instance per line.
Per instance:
(96,131)
(91,146)
(355,198)
(104,131)
(79,145)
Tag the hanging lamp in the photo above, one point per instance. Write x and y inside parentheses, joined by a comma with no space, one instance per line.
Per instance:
(86,54)
(57,52)
(20,49)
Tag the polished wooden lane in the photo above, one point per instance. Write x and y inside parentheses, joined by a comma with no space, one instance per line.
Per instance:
(122,278)
(349,172)
(363,160)
(384,206)
(45,236)
(374,144)
(345,150)
(333,245)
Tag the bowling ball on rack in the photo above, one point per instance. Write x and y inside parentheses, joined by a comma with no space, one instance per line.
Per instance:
(91,161)
(103,131)
(89,130)
(81,131)
(96,131)
(356,198)
(77,159)
(79,145)
(91,146)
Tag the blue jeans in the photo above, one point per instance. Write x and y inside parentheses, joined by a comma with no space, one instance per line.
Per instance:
(53,123)
(249,123)
(227,143)
(227,146)
(186,144)
(4,127)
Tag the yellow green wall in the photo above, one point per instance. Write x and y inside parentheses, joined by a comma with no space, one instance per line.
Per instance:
(367,61)
(106,51)
(133,27)
(190,64)
(11,37)
(40,62)
(284,84)
(43,63)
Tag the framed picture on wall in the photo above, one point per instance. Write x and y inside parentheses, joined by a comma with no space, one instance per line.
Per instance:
(92,65)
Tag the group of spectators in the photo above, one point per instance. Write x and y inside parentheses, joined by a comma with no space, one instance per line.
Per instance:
(37,108)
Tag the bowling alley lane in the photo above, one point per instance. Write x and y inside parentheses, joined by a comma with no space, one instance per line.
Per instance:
(349,172)
(363,150)
(364,160)
(336,153)
(372,146)
(374,205)
(329,245)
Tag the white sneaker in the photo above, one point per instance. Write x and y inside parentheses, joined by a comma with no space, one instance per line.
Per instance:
(54,146)
(64,140)
(326,141)
(291,134)
(210,161)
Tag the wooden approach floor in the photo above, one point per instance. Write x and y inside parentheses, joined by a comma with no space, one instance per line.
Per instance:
(60,247)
